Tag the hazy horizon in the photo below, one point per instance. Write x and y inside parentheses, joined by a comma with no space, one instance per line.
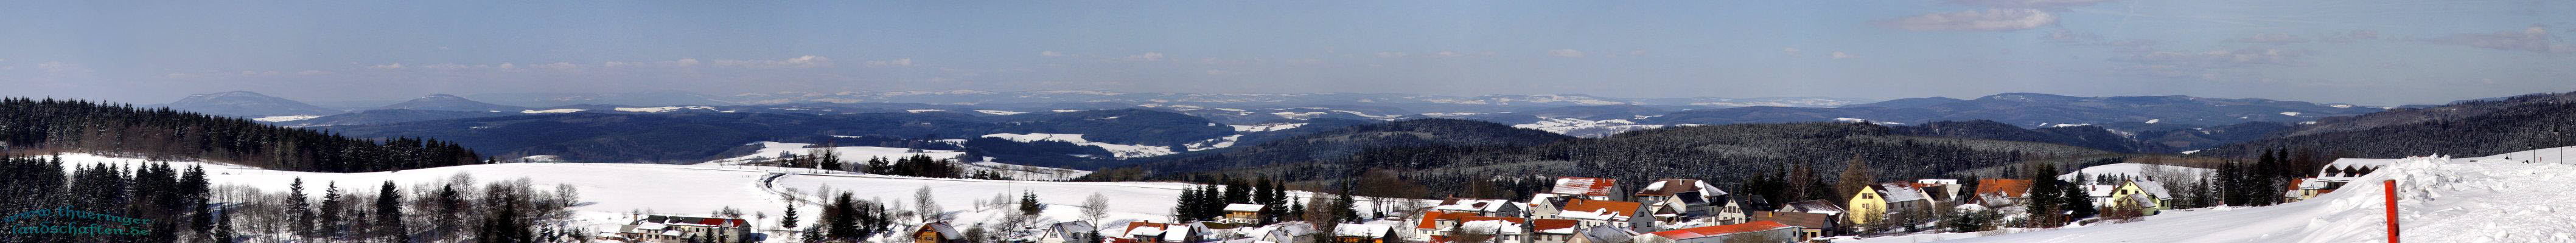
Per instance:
(2378,53)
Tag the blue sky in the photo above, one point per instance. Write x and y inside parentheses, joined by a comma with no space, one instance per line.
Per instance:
(2365,52)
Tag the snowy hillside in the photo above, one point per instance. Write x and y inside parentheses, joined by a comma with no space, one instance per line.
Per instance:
(2502,198)
(2137,170)
(608,192)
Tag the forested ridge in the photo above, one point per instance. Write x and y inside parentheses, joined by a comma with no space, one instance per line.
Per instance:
(1505,166)
(2468,128)
(30,126)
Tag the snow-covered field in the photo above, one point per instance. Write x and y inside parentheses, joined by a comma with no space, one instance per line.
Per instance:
(861,154)
(1586,128)
(609,191)
(2501,198)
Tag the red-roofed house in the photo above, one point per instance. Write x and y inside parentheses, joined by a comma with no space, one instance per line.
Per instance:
(1554,230)
(676,228)
(1147,232)
(1601,212)
(2001,192)
(1756,231)
(1589,188)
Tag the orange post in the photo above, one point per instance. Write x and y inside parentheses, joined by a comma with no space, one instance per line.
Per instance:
(2391,187)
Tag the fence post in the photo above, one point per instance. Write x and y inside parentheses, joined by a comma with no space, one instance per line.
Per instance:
(2390,186)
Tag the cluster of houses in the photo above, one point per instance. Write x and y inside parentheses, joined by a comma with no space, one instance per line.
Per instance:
(1574,210)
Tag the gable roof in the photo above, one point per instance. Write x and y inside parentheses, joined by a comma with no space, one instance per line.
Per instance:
(944,230)
(1606,233)
(693,221)
(1475,205)
(1900,192)
(1807,220)
(2007,187)
(1813,206)
(1554,226)
(1071,229)
(1721,230)
(1363,230)
(1431,220)
(1668,187)
(1597,209)
(1239,207)
(1135,229)
(1584,186)
(2153,188)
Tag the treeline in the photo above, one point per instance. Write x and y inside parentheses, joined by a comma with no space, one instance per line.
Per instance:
(917,165)
(1208,202)
(172,201)
(1724,155)
(2477,128)
(48,125)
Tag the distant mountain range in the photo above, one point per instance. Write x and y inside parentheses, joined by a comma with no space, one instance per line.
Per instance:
(247,104)
(445,102)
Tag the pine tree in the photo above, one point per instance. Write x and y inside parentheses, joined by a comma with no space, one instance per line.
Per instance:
(788,221)
(303,209)
(332,206)
(1029,204)
(2047,202)
(389,214)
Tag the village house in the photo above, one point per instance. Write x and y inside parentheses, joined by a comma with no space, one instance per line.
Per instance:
(1286,232)
(1589,188)
(1364,233)
(1480,229)
(1482,207)
(1687,201)
(1242,213)
(1554,230)
(1756,231)
(1071,231)
(1607,234)
(1940,190)
(1150,232)
(2333,176)
(1811,225)
(2000,193)
(2147,195)
(1887,200)
(1818,206)
(1592,213)
(937,232)
(660,228)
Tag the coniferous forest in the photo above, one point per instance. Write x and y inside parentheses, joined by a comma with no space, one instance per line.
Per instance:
(32,126)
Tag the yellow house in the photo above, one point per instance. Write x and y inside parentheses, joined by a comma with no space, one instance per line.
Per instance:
(2149,196)
(1866,206)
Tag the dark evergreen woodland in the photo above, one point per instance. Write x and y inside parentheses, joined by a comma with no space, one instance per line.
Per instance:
(28,125)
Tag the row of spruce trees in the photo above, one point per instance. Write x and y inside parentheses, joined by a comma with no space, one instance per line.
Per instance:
(165,134)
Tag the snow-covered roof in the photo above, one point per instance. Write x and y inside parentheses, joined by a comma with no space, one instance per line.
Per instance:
(1677,186)
(1598,210)
(1239,207)
(1584,186)
(1474,205)
(1495,225)
(2100,190)
(1363,230)
(2362,162)
(2153,188)
(1900,192)
(1554,226)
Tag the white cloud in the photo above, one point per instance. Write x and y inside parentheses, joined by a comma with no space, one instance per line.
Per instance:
(1391,54)
(2534,39)
(1448,54)
(1973,20)
(312,72)
(807,61)
(387,66)
(1840,55)
(2051,4)
(1145,57)
(1565,53)
(1789,50)
(1050,54)
(899,62)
